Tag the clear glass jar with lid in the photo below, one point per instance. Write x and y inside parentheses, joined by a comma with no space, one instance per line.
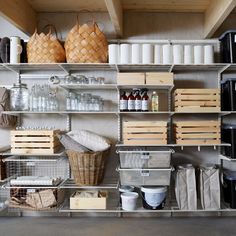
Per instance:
(19,97)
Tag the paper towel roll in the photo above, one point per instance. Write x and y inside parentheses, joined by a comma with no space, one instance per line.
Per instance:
(167,54)
(188,54)
(198,55)
(147,54)
(136,52)
(125,53)
(208,54)
(113,50)
(158,54)
(178,54)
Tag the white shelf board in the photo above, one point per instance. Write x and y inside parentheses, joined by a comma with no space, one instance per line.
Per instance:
(156,87)
(222,157)
(144,67)
(199,67)
(58,154)
(88,87)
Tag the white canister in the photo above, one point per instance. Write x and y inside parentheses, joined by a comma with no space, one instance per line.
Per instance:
(147,54)
(188,54)
(129,201)
(167,54)
(178,54)
(198,54)
(136,54)
(15,49)
(113,50)
(158,54)
(125,53)
(208,54)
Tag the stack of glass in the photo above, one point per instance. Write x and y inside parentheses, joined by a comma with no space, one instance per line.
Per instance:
(84,102)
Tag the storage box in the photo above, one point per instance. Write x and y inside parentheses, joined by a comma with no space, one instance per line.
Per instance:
(131,78)
(228,95)
(145,132)
(34,141)
(2,169)
(160,78)
(229,136)
(144,177)
(145,159)
(99,203)
(198,132)
(229,188)
(197,100)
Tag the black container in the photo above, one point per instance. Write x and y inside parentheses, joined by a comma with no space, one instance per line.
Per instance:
(229,136)
(228,95)
(229,188)
(228,47)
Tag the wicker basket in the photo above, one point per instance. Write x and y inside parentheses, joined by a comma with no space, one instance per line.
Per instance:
(86,44)
(88,168)
(43,48)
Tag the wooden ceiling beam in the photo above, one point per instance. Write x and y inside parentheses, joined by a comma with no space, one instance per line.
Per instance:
(115,11)
(20,14)
(215,15)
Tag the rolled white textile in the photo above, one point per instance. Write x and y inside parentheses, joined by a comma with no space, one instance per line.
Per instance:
(158,54)
(136,53)
(147,54)
(113,50)
(208,54)
(167,54)
(178,54)
(188,54)
(198,54)
(125,53)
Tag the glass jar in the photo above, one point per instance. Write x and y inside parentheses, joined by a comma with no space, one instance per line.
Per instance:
(19,97)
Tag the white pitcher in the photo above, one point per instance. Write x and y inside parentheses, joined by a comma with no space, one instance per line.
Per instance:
(15,49)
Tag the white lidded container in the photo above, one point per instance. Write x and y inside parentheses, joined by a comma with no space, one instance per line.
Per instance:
(129,201)
(153,197)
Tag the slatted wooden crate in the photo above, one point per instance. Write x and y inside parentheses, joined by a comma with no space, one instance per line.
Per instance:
(145,132)
(34,141)
(198,132)
(197,100)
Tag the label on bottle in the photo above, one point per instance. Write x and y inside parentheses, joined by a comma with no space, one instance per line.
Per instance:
(123,105)
(145,105)
(131,105)
(138,105)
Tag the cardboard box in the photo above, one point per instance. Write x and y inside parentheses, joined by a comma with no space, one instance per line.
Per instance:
(159,78)
(131,78)
(99,203)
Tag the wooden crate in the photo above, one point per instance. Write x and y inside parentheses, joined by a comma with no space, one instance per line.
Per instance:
(197,100)
(145,132)
(34,141)
(131,78)
(160,78)
(198,132)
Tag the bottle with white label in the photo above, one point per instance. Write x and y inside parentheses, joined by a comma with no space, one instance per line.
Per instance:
(145,100)
(123,102)
(131,102)
(138,100)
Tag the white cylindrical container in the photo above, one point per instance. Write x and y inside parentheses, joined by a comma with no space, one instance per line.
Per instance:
(167,54)
(129,201)
(15,49)
(113,53)
(158,54)
(178,54)
(147,53)
(208,54)
(188,54)
(136,54)
(125,53)
(198,54)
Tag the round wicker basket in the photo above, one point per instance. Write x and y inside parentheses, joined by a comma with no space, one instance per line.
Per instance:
(86,44)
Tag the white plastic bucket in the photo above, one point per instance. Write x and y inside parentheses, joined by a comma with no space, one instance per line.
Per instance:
(129,201)
(153,197)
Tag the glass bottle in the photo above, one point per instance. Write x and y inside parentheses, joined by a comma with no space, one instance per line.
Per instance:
(68,102)
(155,104)
(145,100)
(131,102)
(138,100)
(123,102)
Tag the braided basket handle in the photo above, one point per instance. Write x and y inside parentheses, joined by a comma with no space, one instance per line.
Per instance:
(51,26)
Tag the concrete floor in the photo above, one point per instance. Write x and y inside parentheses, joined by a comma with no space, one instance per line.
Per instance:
(25,226)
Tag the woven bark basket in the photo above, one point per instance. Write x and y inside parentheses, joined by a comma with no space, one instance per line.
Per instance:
(88,168)
(43,48)
(86,44)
